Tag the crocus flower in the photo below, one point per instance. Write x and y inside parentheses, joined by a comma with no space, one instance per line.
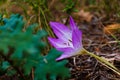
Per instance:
(69,40)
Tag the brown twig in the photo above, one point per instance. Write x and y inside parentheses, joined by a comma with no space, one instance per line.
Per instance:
(32,74)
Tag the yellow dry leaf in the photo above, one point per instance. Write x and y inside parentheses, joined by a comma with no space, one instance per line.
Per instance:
(111,29)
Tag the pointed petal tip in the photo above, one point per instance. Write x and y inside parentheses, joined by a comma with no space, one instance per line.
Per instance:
(60,58)
(54,25)
(70,17)
(49,38)
(72,23)
(51,23)
(52,40)
(63,56)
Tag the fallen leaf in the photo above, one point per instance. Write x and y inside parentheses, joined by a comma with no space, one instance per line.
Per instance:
(112,29)
(83,15)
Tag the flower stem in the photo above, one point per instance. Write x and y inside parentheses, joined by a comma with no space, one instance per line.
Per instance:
(103,61)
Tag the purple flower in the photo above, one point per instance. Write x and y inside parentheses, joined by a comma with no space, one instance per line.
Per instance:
(69,40)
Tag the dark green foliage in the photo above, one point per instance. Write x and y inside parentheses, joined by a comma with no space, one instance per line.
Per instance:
(20,52)
(70,6)
(50,67)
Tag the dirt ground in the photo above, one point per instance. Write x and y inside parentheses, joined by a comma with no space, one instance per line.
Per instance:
(97,41)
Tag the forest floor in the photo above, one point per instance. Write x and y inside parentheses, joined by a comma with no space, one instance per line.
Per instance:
(101,36)
(103,40)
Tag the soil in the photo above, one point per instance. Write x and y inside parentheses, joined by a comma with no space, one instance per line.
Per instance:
(84,67)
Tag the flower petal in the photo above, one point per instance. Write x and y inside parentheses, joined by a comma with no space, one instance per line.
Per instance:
(60,30)
(69,40)
(64,56)
(72,23)
(66,49)
(57,43)
(68,52)
(77,38)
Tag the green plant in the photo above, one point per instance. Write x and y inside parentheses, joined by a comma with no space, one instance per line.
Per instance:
(41,13)
(70,6)
(21,52)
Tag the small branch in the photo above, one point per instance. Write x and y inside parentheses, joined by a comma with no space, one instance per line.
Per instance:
(103,61)
(32,74)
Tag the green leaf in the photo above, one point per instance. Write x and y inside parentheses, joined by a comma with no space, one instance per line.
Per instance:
(22,50)
(5,65)
(11,72)
(48,66)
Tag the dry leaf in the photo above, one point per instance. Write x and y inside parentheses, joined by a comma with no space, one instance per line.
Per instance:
(83,16)
(111,29)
